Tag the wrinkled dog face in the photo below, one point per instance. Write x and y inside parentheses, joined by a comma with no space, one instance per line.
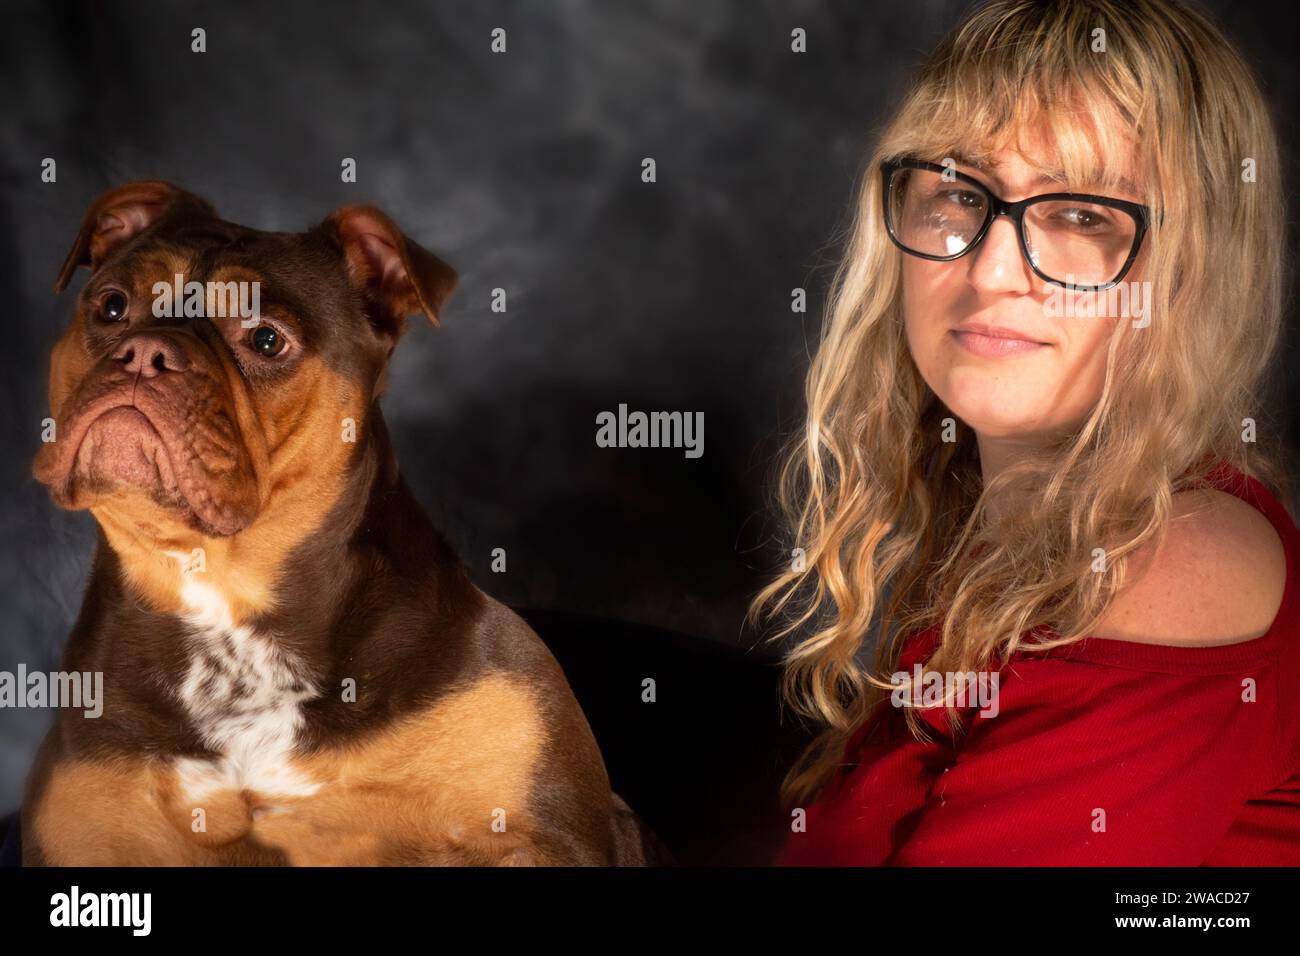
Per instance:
(209,421)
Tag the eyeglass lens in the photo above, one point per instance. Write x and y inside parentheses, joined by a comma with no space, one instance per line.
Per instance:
(1068,240)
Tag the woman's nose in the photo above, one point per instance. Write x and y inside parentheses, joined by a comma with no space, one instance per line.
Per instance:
(997,264)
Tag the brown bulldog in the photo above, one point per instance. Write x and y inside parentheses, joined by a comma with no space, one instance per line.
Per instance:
(297,668)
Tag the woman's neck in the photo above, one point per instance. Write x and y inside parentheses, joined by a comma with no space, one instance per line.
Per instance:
(996,454)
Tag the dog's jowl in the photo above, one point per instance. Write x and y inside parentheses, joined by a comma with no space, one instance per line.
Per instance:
(297,668)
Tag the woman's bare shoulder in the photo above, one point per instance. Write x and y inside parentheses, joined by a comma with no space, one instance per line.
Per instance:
(1217,578)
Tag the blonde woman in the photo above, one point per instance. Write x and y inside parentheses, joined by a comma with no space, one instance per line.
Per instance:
(1037,471)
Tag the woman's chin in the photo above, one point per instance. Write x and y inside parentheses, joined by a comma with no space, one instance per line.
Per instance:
(1008,417)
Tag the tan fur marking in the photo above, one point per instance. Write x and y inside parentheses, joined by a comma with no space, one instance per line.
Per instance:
(421,791)
(107,814)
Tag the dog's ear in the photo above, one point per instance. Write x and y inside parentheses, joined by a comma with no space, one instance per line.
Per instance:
(116,217)
(397,276)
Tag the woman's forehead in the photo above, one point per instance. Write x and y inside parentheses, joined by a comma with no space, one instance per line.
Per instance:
(1075,136)
(1069,156)
(1013,170)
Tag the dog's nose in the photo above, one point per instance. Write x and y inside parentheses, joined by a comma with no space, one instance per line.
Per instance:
(149,355)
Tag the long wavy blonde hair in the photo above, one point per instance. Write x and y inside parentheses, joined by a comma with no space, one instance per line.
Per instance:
(887,520)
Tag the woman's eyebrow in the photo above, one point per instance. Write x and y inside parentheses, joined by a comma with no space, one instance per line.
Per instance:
(1058,178)
(1053,177)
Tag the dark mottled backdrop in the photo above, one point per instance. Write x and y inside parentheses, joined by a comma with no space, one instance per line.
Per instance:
(523,171)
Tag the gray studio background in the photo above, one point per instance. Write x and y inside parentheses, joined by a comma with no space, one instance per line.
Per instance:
(523,171)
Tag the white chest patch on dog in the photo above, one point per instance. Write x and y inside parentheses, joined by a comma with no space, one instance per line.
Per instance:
(245,696)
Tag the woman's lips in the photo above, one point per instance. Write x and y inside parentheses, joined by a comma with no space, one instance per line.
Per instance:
(994,346)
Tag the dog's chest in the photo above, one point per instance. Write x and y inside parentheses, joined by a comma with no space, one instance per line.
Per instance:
(449,782)
(243,695)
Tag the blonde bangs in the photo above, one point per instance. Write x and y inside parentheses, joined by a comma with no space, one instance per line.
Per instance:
(975,101)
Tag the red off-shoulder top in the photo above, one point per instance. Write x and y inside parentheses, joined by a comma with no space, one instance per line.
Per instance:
(1102,753)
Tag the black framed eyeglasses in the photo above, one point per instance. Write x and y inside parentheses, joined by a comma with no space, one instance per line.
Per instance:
(1080,242)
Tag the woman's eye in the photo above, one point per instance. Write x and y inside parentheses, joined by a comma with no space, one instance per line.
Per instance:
(113,307)
(1084,219)
(266,341)
(964,201)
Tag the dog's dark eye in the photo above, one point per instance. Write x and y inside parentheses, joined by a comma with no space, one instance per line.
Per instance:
(265,340)
(113,307)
